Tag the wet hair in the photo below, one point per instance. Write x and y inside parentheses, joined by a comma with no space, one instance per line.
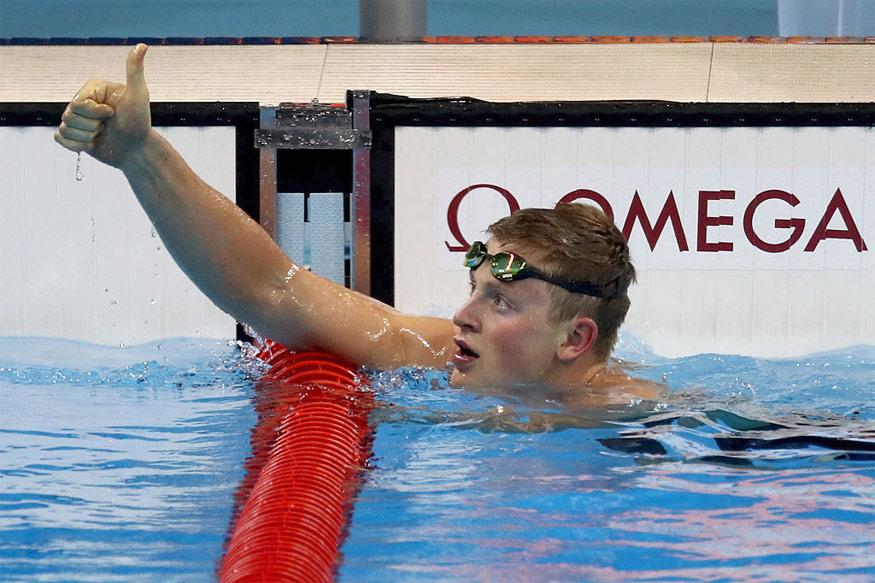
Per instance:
(578,242)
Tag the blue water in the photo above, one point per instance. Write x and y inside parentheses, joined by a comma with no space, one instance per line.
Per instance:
(120,464)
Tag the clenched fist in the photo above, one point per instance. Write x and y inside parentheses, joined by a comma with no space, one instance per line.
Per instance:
(110,121)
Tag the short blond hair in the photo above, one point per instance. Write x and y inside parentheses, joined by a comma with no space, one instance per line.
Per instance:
(576,242)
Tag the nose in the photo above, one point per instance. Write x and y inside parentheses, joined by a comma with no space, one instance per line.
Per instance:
(466,316)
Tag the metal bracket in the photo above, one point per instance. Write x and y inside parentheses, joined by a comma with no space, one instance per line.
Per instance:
(313,127)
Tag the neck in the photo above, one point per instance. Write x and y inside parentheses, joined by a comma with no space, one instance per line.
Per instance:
(572,378)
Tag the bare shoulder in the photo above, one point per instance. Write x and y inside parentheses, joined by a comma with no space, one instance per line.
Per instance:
(616,385)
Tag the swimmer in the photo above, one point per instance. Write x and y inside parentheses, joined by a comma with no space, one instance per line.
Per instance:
(548,289)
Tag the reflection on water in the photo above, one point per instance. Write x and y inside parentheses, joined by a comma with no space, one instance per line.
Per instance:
(777,525)
(727,437)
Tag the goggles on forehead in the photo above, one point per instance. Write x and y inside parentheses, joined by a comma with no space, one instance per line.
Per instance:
(506,266)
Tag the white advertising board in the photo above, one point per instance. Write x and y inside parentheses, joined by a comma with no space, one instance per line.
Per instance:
(746,240)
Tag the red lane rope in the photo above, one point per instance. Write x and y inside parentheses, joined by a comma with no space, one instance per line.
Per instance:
(310,444)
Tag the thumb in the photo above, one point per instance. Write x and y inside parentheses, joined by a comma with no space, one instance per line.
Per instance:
(136,78)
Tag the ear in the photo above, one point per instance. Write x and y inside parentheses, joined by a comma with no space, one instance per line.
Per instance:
(581,336)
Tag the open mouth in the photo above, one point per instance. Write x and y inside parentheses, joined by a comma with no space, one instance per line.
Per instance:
(467,352)
(464,355)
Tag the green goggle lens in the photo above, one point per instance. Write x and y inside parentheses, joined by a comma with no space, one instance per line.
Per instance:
(475,255)
(504,266)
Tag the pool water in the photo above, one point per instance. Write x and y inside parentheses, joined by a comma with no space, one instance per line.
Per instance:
(120,464)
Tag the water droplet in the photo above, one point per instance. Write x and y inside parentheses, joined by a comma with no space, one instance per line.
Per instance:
(79,176)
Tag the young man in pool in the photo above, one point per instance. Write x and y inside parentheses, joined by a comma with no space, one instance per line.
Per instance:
(541,327)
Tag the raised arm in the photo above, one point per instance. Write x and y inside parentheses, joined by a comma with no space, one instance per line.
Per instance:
(228,255)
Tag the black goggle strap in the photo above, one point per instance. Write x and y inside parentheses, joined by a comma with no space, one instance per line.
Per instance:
(583,287)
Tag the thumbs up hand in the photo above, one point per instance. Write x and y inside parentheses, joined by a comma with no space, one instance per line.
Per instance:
(110,121)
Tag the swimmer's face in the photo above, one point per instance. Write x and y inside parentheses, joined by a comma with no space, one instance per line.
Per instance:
(505,336)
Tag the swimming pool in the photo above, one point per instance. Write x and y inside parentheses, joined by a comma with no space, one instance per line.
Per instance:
(120,464)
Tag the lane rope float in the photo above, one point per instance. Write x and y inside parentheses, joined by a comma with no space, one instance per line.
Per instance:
(310,445)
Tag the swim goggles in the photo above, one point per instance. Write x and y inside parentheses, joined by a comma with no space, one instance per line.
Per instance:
(506,266)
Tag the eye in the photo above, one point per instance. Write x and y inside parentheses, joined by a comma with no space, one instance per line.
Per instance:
(471,287)
(500,301)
